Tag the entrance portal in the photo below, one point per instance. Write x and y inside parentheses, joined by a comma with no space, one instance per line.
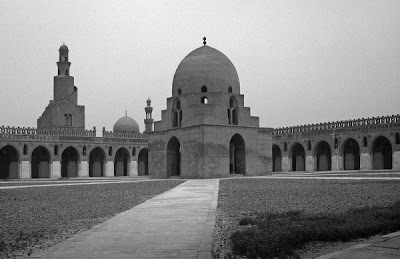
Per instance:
(69,162)
(237,155)
(173,157)
(40,163)
(8,163)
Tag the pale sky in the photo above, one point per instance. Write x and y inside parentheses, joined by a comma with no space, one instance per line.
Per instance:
(298,62)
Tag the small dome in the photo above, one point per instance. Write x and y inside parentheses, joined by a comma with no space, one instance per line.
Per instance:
(205,66)
(64,47)
(126,125)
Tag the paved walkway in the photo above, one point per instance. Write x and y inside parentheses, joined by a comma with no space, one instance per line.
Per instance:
(385,247)
(176,224)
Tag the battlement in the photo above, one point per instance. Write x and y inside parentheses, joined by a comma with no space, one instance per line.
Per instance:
(48,132)
(355,124)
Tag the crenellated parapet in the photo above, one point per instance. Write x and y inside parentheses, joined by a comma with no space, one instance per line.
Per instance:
(339,126)
(48,132)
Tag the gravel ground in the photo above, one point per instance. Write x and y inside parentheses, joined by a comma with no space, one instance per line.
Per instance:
(241,197)
(36,218)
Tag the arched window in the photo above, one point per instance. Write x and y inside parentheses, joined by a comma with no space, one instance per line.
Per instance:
(25,151)
(203,89)
(365,142)
(56,150)
(230,89)
(134,151)
(397,138)
(285,146)
(233,111)
(179,91)
(70,120)
(84,150)
(336,143)
(308,145)
(110,151)
(204,100)
(176,113)
(66,119)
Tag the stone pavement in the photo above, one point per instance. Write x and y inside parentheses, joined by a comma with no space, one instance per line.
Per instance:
(176,224)
(385,247)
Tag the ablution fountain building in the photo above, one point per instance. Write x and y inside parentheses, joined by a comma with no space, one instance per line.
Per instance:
(205,131)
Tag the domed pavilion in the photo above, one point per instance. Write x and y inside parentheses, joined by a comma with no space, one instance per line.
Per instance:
(206,131)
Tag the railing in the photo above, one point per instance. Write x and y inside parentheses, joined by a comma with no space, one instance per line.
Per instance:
(346,124)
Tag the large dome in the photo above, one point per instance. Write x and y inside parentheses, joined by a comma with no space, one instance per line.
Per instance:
(205,66)
(126,125)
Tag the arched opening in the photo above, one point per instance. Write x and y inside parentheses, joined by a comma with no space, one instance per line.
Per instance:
(323,155)
(40,163)
(285,146)
(143,164)
(365,142)
(97,162)
(382,153)
(56,150)
(69,162)
(237,155)
(351,155)
(110,151)
(121,162)
(336,143)
(134,151)
(203,89)
(298,158)
(9,163)
(397,139)
(25,150)
(230,89)
(179,91)
(276,159)
(84,151)
(176,113)
(309,145)
(173,157)
(204,100)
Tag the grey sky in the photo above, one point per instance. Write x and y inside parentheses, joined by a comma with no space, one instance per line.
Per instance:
(298,61)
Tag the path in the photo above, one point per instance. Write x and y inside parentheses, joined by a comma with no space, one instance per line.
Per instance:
(176,224)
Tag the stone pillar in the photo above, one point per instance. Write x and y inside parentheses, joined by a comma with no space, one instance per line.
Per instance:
(133,168)
(365,161)
(285,164)
(309,163)
(84,169)
(335,161)
(55,171)
(109,169)
(396,160)
(25,170)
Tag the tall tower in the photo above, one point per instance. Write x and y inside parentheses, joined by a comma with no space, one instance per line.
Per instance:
(63,111)
(148,121)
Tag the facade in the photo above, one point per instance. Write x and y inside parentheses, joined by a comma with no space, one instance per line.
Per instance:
(361,144)
(60,146)
(206,131)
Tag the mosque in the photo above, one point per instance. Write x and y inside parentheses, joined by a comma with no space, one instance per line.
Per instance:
(205,131)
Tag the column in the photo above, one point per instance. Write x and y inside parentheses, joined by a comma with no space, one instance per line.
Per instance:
(396,160)
(365,161)
(133,168)
(25,169)
(285,164)
(84,169)
(110,169)
(55,170)
(309,163)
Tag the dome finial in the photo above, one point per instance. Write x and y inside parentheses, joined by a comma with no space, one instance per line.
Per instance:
(204,40)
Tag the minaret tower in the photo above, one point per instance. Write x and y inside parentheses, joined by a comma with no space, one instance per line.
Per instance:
(148,121)
(63,64)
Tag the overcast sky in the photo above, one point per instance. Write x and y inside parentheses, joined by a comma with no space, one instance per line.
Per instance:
(298,62)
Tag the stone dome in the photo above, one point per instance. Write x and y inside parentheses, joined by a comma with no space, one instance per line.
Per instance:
(63,47)
(205,66)
(126,125)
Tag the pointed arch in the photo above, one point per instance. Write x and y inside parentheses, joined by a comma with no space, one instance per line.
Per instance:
(9,162)
(97,162)
(69,162)
(121,162)
(237,155)
(276,159)
(143,162)
(323,156)
(173,157)
(298,156)
(40,163)
(382,153)
(351,154)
